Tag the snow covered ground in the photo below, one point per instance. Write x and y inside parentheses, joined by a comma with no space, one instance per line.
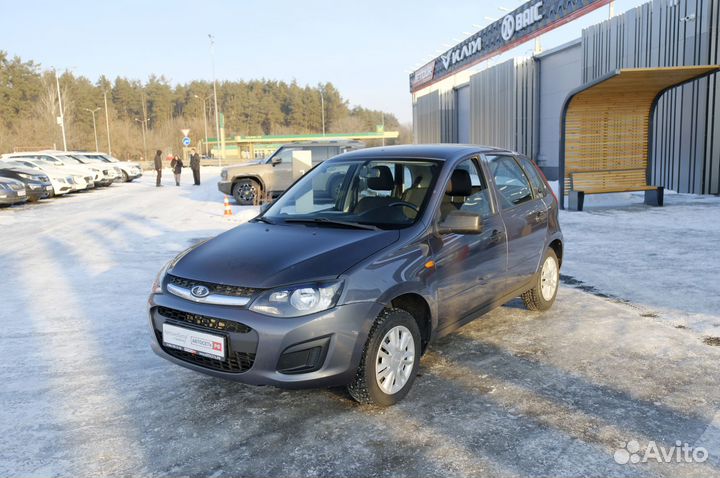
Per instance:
(517,393)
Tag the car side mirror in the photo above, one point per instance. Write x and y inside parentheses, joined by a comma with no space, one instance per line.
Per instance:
(276,161)
(460,223)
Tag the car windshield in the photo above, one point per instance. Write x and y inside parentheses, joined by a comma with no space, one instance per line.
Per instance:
(377,193)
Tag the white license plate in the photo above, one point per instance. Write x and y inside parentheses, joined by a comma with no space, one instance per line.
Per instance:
(21,193)
(207,345)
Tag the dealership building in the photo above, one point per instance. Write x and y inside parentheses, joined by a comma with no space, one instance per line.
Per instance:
(521,104)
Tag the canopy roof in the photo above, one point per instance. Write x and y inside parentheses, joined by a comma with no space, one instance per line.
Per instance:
(606,124)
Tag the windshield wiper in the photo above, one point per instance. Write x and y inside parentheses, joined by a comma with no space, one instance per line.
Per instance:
(324,220)
(263,219)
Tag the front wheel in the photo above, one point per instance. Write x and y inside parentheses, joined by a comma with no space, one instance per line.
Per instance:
(246,192)
(390,360)
(542,295)
(125,177)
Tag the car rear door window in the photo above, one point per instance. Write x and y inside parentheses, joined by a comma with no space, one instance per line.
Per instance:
(536,181)
(510,180)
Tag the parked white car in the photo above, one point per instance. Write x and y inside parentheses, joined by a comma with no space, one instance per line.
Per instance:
(128,170)
(88,174)
(109,173)
(62,182)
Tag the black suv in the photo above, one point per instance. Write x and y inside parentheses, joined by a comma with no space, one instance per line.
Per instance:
(347,285)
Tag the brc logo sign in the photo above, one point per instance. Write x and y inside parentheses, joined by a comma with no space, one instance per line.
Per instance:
(217,346)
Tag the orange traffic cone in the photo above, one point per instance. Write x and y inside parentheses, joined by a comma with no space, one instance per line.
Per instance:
(228,211)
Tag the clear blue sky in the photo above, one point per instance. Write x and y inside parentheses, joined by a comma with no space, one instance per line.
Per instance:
(365,48)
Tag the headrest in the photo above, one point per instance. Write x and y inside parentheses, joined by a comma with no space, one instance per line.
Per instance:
(380,179)
(460,184)
(422,182)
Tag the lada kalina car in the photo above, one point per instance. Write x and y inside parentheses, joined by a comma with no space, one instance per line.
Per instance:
(348,285)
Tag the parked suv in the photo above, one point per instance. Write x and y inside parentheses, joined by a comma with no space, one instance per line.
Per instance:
(348,286)
(252,182)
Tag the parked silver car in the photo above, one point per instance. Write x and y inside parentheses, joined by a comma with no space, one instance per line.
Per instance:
(252,182)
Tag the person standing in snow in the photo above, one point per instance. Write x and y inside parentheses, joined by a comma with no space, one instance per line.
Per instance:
(158,167)
(176,164)
(195,166)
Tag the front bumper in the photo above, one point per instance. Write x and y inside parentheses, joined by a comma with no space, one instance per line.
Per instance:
(12,197)
(258,345)
(225,187)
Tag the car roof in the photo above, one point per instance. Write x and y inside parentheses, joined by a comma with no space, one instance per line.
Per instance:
(330,142)
(444,152)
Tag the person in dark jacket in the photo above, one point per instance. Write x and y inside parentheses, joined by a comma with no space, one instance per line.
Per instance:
(195,166)
(176,164)
(158,167)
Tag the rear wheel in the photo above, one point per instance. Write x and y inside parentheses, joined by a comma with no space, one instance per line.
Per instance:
(390,360)
(542,296)
(247,192)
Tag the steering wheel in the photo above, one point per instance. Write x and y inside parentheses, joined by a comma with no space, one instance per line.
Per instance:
(404,204)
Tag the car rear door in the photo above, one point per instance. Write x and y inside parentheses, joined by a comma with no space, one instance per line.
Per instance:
(470,268)
(525,215)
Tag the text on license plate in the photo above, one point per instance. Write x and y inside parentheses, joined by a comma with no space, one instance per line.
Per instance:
(193,341)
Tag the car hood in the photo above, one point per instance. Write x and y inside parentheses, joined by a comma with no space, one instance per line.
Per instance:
(18,169)
(247,163)
(262,256)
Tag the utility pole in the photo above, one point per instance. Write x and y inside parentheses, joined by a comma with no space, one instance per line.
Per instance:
(217,114)
(322,111)
(62,114)
(107,122)
(204,100)
(382,123)
(92,112)
(143,123)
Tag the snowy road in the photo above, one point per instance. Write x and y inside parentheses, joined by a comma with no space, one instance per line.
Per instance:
(519,393)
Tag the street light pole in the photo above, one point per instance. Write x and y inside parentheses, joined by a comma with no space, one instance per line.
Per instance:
(217,114)
(62,114)
(204,100)
(107,122)
(142,123)
(92,112)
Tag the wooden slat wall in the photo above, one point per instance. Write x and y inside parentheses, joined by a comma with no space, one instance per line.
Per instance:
(686,147)
(607,126)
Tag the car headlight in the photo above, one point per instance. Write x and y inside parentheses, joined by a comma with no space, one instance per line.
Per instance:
(298,300)
(157,283)
(4,187)
(26,176)
(224,174)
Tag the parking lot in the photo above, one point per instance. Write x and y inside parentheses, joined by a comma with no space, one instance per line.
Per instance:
(629,352)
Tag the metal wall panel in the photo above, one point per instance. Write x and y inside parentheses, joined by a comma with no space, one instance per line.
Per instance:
(503,106)
(426,118)
(560,73)
(685,154)
(462,100)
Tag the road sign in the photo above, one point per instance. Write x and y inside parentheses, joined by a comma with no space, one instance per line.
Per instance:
(185,132)
(186,141)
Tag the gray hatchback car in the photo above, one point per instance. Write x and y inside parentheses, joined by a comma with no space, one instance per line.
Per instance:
(347,285)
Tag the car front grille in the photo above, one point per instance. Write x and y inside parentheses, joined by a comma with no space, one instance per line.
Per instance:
(237,362)
(221,289)
(204,321)
(17,187)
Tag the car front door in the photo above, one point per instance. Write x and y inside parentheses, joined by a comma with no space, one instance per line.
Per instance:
(525,215)
(469,268)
